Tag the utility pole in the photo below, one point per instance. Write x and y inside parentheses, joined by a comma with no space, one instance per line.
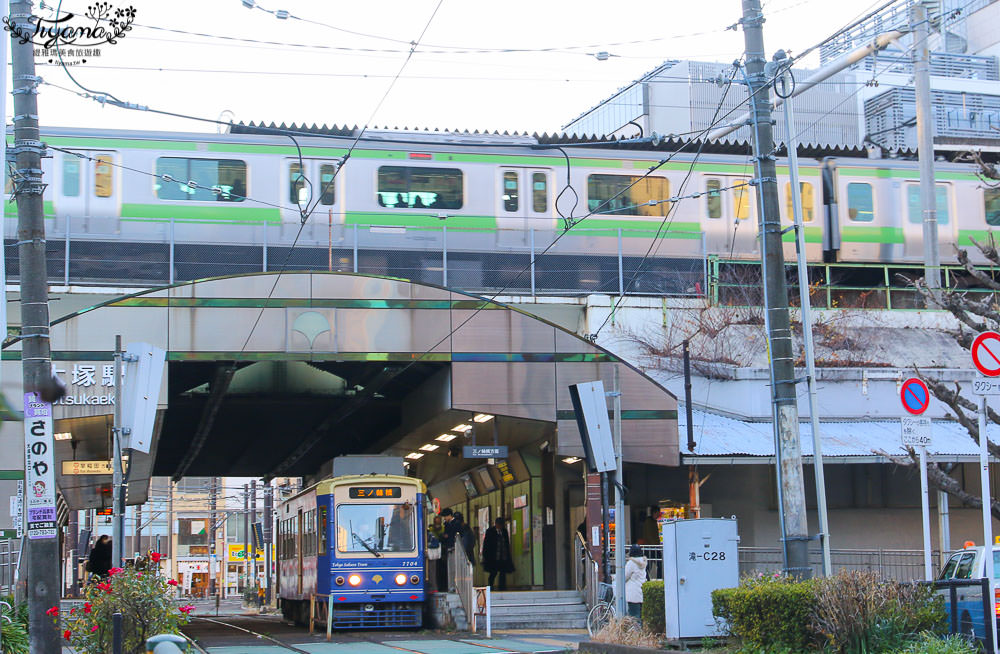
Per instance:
(246,536)
(43,549)
(620,540)
(268,520)
(117,506)
(788,450)
(925,143)
(253,521)
(212,567)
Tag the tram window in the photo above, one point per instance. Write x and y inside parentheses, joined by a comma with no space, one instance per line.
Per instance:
(321,529)
(914,210)
(622,194)
(410,187)
(860,203)
(327,173)
(298,189)
(510,197)
(806,190)
(216,180)
(713,197)
(375,527)
(539,193)
(103,177)
(991,202)
(70,176)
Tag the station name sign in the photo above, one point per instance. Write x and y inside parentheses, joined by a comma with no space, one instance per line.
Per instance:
(368,492)
(484,451)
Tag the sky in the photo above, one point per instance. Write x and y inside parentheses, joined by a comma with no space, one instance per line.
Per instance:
(350,80)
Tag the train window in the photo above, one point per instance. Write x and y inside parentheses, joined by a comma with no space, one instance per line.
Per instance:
(221,180)
(741,200)
(713,197)
(103,178)
(410,187)
(375,528)
(510,195)
(298,190)
(321,529)
(70,176)
(860,203)
(622,195)
(327,173)
(991,199)
(539,193)
(914,210)
(806,190)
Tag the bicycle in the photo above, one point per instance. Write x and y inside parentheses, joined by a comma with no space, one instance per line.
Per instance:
(604,612)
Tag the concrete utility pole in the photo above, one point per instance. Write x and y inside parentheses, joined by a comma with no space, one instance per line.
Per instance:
(246,535)
(212,554)
(117,477)
(791,492)
(252,555)
(620,540)
(925,143)
(268,520)
(43,552)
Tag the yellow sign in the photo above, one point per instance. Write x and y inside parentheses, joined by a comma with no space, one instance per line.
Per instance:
(236,553)
(86,468)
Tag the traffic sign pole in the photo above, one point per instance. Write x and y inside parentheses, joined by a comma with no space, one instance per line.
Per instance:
(916,432)
(984,476)
(925,510)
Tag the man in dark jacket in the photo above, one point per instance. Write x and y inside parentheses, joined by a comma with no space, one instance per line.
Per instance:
(447,544)
(497,558)
(99,561)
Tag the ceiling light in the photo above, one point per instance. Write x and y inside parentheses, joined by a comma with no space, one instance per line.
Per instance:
(414,455)
(445,438)
(461,427)
(63,436)
(571,459)
(483,417)
(430,447)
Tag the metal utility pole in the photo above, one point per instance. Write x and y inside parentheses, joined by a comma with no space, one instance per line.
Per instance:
(246,535)
(117,519)
(620,541)
(925,143)
(984,480)
(43,552)
(791,492)
(212,536)
(807,335)
(268,520)
(252,555)
(138,530)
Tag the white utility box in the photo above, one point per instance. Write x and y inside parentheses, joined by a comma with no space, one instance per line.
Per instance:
(699,556)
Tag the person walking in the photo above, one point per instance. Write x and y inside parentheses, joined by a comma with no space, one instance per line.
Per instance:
(635,577)
(497,559)
(99,561)
(447,544)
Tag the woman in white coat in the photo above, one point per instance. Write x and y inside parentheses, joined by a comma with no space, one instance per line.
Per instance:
(635,576)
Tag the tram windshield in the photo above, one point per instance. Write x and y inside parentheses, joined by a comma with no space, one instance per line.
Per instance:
(375,528)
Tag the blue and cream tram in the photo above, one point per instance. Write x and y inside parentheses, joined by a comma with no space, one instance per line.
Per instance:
(357,542)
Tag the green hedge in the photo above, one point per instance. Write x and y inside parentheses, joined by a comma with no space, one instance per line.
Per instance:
(653,611)
(771,614)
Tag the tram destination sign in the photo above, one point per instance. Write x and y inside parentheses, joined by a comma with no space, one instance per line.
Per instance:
(368,492)
(484,451)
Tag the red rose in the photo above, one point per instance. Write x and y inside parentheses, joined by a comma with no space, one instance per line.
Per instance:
(154,557)
(187,608)
(113,571)
(172,582)
(67,634)
(54,611)
(93,628)
(87,607)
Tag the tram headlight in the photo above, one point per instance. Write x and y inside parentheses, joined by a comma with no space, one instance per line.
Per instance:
(415,579)
(400,579)
(354,580)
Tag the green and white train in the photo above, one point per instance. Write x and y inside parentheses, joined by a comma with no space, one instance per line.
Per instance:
(152,207)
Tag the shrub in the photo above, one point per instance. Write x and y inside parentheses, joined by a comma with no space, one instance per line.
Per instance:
(930,643)
(768,612)
(140,594)
(14,627)
(625,631)
(653,612)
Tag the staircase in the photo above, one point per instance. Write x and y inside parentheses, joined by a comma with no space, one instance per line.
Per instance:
(538,609)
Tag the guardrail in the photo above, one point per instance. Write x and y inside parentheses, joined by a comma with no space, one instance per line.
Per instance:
(460,576)
(586,573)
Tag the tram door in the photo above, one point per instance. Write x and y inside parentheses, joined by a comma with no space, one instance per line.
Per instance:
(298,549)
(524,201)
(88,185)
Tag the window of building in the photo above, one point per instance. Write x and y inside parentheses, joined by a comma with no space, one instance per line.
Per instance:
(539,193)
(411,187)
(991,199)
(622,194)
(298,190)
(103,176)
(510,199)
(71,176)
(806,191)
(713,197)
(327,174)
(914,209)
(860,202)
(205,180)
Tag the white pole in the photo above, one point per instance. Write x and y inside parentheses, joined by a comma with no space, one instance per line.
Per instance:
(4,44)
(925,143)
(620,543)
(807,336)
(984,476)
(925,515)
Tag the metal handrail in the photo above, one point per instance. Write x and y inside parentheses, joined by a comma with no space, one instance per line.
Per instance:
(590,576)
(460,569)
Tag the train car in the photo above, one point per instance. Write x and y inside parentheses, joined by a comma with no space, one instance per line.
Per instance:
(356,541)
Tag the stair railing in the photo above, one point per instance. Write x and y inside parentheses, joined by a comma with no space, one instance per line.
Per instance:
(460,574)
(585,571)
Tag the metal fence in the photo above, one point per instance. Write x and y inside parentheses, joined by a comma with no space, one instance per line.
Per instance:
(460,572)
(10,557)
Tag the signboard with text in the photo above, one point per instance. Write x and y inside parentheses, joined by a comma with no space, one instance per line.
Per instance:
(39,475)
(916,431)
(87,468)
(484,451)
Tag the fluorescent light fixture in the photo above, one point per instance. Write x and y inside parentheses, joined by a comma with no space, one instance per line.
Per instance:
(483,417)
(430,447)
(571,459)
(414,455)
(63,436)
(446,438)
(461,427)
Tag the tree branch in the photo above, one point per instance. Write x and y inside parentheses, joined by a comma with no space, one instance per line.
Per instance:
(991,253)
(941,480)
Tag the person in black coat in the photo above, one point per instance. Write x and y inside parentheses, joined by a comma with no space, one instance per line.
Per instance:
(497,558)
(99,561)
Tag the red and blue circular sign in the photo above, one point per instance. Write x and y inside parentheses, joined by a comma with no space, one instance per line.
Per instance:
(915,396)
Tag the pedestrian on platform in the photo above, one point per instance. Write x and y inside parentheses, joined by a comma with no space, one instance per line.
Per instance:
(447,544)
(99,561)
(635,577)
(497,559)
